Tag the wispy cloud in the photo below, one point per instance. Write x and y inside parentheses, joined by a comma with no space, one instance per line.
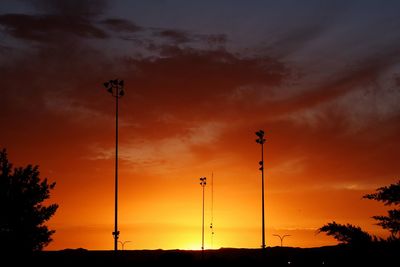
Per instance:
(121,25)
(49,27)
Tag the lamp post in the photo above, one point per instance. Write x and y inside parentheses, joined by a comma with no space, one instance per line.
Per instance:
(281,238)
(260,140)
(116,89)
(123,243)
(203,184)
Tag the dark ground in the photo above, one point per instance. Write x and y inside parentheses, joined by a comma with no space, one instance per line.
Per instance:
(276,256)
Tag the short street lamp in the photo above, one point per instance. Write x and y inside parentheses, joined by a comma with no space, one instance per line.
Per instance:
(123,243)
(281,238)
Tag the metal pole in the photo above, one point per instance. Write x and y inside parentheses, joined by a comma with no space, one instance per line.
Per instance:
(116,233)
(262,196)
(203,184)
(115,88)
(260,140)
(202,238)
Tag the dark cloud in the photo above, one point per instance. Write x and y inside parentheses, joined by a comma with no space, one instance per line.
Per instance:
(74,8)
(215,39)
(296,39)
(4,49)
(121,25)
(175,36)
(185,79)
(397,80)
(179,37)
(49,27)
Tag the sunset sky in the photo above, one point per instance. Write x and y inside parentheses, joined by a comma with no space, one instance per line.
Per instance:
(321,78)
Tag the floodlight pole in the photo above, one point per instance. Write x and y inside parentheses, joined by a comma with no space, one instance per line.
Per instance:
(203,184)
(261,141)
(115,87)
(116,232)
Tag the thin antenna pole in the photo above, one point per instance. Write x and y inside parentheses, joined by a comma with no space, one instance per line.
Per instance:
(212,210)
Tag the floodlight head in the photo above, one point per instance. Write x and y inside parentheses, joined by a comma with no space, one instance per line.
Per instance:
(106,84)
(121,93)
(121,82)
(110,90)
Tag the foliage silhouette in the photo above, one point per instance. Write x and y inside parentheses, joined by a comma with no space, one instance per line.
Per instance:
(347,234)
(389,195)
(354,235)
(23,215)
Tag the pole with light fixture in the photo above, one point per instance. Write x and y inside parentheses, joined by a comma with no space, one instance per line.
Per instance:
(261,141)
(203,184)
(116,89)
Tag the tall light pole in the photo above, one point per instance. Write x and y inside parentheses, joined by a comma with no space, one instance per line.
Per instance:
(116,89)
(203,184)
(281,238)
(260,140)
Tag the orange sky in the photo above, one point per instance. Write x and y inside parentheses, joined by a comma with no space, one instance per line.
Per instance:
(195,95)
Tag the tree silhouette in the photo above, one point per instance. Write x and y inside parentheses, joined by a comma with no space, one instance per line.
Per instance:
(23,215)
(353,235)
(347,234)
(389,195)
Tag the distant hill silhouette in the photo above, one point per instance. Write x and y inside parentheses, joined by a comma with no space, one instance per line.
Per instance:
(340,255)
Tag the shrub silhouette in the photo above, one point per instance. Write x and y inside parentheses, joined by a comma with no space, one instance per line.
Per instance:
(23,215)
